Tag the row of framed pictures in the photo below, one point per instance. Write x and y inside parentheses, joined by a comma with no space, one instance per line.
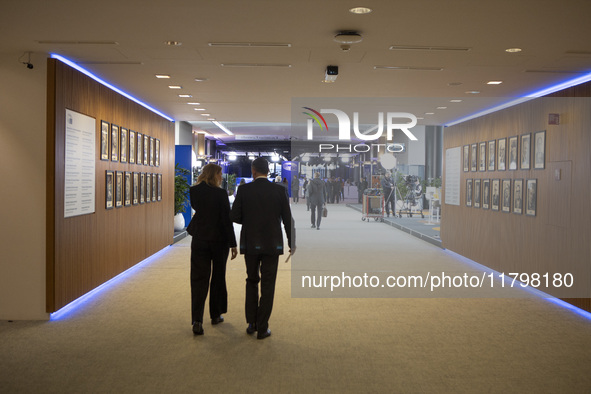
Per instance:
(506,195)
(126,146)
(492,155)
(124,189)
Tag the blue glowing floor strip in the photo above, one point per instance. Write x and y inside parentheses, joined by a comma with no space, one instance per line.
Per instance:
(99,80)
(508,280)
(80,302)
(527,97)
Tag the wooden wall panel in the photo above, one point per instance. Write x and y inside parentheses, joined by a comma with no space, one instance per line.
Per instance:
(557,238)
(86,251)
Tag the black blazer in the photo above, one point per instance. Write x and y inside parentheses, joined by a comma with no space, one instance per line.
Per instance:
(211,221)
(260,206)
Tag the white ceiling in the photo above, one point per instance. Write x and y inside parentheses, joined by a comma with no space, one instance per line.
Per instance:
(554,36)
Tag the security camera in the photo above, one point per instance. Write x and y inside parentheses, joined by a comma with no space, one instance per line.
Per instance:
(29,66)
(331,73)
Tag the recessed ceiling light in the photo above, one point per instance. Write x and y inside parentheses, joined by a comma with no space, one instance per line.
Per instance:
(205,114)
(173,43)
(175,86)
(201,79)
(162,76)
(513,50)
(211,119)
(454,84)
(360,10)
(194,103)
(429,113)
(472,92)
(494,82)
(420,118)
(455,101)
(185,95)
(441,108)
(199,109)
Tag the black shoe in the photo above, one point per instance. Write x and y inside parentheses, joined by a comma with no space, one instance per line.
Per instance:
(251,329)
(217,320)
(317,228)
(313,226)
(198,328)
(263,335)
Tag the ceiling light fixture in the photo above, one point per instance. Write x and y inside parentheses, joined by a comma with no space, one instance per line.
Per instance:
(360,10)
(494,82)
(194,103)
(413,68)
(250,44)
(185,95)
(472,92)
(513,50)
(162,76)
(427,48)
(175,87)
(201,79)
(255,65)
(173,43)
(455,101)
(199,109)
(441,108)
(205,114)
(221,126)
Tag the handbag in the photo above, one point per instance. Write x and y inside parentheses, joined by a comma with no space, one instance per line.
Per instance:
(324,212)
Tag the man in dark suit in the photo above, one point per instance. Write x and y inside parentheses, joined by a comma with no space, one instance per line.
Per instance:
(261,206)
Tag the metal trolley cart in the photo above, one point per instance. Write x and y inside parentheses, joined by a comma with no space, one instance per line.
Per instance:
(373,205)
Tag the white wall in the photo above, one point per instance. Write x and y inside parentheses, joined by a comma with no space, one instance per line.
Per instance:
(22,196)
(183,133)
(416,149)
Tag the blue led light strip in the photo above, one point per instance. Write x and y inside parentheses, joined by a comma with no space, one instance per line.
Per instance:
(527,97)
(102,82)
(517,284)
(82,300)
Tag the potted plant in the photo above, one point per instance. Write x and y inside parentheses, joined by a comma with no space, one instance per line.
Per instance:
(181,196)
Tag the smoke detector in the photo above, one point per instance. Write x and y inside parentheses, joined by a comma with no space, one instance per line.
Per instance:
(346,38)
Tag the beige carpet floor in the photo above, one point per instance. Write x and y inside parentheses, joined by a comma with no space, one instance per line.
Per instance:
(135,335)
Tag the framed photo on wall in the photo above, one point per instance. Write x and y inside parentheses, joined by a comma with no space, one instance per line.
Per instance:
(105,140)
(506,199)
(513,157)
(139,148)
(142,187)
(485,193)
(531,193)
(114,142)
(491,155)
(123,145)
(151,151)
(468,192)
(131,147)
(501,154)
(118,189)
(540,150)
(127,195)
(136,189)
(518,196)
(146,149)
(466,158)
(159,187)
(148,187)
(109,189)
(495,194)
(473,158)
(476,193)
(157,152)
(154,187)
(524,162)
(482,157)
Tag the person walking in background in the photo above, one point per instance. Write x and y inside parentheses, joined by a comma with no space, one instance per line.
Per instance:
(361,186)
(261,206)
(295,189)
(213,236)
(306,194)
(318,198)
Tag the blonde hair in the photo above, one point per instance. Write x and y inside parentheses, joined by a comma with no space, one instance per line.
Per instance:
(209,175)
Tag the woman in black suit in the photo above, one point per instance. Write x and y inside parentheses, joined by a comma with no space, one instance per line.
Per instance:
(213,236)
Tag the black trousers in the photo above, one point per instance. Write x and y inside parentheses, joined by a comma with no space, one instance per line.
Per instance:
(260,268)
(389,201)
(208,259)
(316,215)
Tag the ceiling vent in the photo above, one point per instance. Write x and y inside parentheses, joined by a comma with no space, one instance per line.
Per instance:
(428,48)
(250,44)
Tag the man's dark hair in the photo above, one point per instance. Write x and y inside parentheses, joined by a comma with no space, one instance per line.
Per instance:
(260,165)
